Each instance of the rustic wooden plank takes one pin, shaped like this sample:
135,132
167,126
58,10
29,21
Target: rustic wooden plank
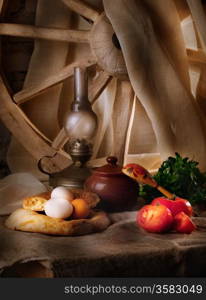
199,18
129,131
34,32
196,56
201,91
20,111
21,130
182,8
60,140
36,89
121,117
98,85
82,8
1,5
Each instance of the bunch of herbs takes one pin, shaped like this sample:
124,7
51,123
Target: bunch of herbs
180,176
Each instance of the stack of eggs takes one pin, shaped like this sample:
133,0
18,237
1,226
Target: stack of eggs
63,205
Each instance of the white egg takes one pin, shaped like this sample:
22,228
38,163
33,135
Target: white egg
58,208
62,192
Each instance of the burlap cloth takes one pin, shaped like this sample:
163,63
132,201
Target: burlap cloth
121,250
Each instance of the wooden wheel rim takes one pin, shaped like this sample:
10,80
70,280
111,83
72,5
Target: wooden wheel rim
37,144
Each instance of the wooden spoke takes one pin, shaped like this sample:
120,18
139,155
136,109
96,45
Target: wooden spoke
29,31
33,143
36,89
32,125
1,5
82,9
182,9
196,56
60,140
198,16
98,85
121,116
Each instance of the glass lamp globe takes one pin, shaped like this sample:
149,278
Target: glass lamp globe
81,125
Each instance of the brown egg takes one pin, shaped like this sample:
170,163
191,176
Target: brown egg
81,209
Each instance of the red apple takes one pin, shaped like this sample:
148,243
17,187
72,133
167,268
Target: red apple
155,218
186,205
183,223
163,201
175,206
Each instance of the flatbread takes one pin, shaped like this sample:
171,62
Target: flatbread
37,202
31,221
29,218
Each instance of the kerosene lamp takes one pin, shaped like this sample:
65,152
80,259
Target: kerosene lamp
80,125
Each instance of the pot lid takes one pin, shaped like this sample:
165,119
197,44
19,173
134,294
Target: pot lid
112,168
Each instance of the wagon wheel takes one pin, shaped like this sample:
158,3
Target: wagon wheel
105,52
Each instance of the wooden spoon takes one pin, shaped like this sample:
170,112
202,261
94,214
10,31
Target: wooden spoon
141,175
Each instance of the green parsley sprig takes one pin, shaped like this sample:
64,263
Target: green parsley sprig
180,176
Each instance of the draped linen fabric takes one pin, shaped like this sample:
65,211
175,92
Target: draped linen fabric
162,115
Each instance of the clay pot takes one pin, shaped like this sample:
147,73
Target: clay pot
117,191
